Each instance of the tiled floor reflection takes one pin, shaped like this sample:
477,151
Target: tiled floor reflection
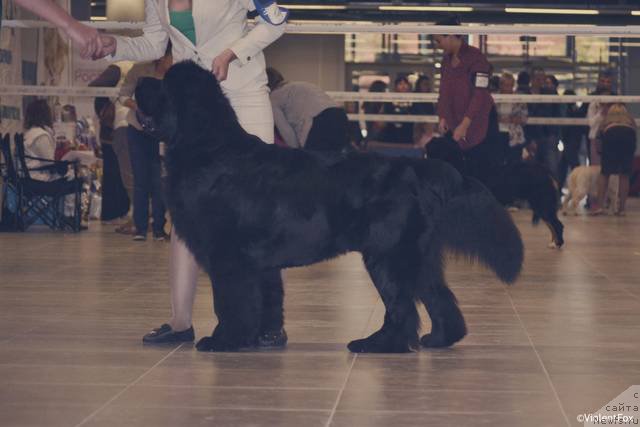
563,341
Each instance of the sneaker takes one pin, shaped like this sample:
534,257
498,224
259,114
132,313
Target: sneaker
271,12
165,335
127,228
273,339
139,237
160,236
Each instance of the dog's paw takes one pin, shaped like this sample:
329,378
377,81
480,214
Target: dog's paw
437,341
216,344
374,344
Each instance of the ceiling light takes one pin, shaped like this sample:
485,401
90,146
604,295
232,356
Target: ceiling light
312,7
551,11
427,8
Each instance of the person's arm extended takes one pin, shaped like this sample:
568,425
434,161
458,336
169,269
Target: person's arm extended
128,88
87,38
148,47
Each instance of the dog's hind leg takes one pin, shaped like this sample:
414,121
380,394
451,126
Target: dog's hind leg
237,301
394,278
557,230
272,333
447,323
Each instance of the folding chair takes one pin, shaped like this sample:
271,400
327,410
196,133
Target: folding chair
10,191
44,200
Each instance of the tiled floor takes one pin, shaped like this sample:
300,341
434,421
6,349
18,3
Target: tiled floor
563,341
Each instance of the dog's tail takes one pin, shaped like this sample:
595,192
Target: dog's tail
474,224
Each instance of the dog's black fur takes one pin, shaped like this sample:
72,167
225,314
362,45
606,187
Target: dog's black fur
510,182
247,210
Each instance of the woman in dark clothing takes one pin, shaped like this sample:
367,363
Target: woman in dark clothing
399,132
618,147
115,201
572,137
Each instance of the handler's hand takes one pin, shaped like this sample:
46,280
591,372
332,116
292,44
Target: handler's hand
442,127
86,38
460,133
220,65
109,45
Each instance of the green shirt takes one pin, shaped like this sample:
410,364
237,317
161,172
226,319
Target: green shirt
183,21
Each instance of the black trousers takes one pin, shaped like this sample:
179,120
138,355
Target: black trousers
490,153
145,162
115,201
329,132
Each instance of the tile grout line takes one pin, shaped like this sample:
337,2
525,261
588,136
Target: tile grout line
346,379
544,369
625,290
339,397
121,392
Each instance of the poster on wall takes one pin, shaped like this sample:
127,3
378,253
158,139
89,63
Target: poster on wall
10,74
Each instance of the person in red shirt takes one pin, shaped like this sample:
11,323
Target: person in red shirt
465,106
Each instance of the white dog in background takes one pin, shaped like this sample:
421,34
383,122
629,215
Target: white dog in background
582,182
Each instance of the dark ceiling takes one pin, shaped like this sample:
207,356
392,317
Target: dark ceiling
613,12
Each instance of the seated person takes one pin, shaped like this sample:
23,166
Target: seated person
423,132
39,140
399,132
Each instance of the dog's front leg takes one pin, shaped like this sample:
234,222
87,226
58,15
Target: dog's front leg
237,300
272,333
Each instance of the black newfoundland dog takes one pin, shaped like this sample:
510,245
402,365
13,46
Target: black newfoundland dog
247,209
510,182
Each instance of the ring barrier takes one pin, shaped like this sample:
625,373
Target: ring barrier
347,27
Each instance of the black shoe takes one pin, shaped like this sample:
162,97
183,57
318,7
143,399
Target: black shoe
160,236
274,339
164,334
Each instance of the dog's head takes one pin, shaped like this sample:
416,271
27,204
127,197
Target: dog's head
446,149
188,101
155,113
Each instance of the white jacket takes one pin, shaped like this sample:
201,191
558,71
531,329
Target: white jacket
219,25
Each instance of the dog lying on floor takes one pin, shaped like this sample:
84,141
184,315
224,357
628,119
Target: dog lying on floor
512,182
582,182
247,209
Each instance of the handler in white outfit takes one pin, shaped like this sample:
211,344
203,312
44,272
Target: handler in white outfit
218,39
